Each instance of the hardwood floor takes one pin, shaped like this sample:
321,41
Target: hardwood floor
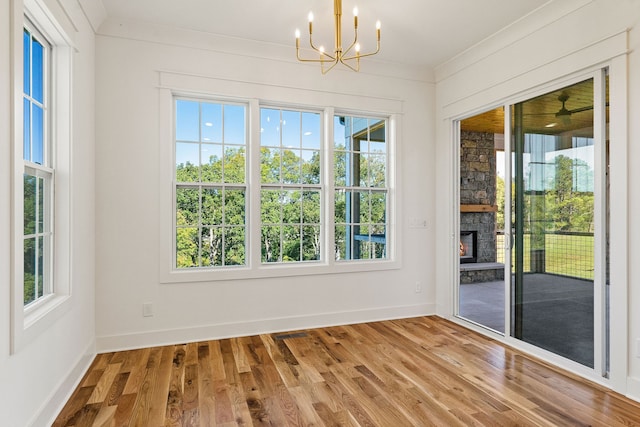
413,372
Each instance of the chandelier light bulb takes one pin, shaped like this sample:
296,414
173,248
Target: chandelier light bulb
310,16
355,11
321,49
357,47
378,25
297,33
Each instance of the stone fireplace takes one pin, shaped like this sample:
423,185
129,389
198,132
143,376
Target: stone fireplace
478,207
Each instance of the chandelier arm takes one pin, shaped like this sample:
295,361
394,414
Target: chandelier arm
355,42
325,71
356,68
318,50
362,55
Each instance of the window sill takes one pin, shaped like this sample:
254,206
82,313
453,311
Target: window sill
275,270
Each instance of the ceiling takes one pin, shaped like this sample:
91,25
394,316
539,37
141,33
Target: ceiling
539,114
414,32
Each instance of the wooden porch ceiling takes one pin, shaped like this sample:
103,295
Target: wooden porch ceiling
539,114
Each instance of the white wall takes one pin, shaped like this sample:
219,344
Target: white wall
132,60
38,378
554,42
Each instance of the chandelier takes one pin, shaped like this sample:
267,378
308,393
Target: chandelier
349,57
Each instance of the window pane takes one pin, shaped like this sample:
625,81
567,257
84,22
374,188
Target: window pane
211,255
26,74
234,244
310,167
339,132
187,120
270,207
41,203
340,168
291,121
29,270
311,130
30,204
187,162
211,168
211,128
186,247
269,127
361,172
37,135
37,71
26,122
341,242
311,207
40,279
362,205
234,165
378,207
270,165
310,243
340,207
212,206
291,207
270,237
291,172
377,170
234,125
291,243
187,202
234,211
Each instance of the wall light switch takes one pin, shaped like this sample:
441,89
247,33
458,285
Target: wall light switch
147,309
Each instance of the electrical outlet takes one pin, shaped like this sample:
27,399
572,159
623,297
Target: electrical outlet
147,309
418,287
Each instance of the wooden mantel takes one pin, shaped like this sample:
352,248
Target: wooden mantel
478,208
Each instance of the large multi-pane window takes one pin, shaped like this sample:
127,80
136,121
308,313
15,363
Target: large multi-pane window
360,177
264,201
290,193
38,174
211,189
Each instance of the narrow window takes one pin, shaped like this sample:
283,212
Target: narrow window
361,188
210,184
38,174
290,195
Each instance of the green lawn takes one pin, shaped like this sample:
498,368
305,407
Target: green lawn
567,255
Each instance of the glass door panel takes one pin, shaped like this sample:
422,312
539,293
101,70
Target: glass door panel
481,290
553,170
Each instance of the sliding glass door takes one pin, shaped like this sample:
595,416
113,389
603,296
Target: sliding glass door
554,167
554,230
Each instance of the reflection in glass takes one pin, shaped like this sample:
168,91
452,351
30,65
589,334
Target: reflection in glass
554,222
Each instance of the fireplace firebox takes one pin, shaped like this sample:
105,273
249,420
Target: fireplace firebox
468,247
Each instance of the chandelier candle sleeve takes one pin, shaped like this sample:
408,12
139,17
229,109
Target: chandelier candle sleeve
328,61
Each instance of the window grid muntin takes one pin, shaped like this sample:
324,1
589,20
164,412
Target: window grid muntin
201,185
351,153
39,167
283,185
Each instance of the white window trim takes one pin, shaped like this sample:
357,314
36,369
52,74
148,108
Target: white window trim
29,322
188,85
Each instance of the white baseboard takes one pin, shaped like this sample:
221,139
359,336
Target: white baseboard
52,407
633,388
228,330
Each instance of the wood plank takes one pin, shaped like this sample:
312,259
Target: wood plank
478,208
423,371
